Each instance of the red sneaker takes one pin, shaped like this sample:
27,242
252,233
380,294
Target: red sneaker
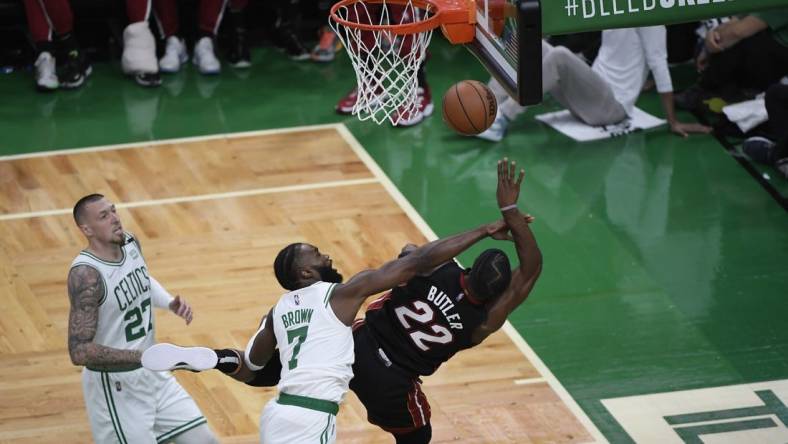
346,104
424,96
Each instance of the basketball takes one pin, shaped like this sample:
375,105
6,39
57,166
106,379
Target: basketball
469,107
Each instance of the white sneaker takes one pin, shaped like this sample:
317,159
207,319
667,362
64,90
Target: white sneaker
139,50
205,58
139,55
497,130
174,55
164,356
46,75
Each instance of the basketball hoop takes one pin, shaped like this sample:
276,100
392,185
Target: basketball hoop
387,41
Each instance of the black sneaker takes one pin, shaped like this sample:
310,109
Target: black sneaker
148,79
239,55
760,149
291,44
74,71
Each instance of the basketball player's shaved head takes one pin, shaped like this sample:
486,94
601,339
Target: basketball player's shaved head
79,207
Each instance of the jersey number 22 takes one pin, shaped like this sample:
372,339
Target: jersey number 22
420,312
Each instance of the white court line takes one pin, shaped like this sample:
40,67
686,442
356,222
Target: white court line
528,381
201,197
518,340
155,143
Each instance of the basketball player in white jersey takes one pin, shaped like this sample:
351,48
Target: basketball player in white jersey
311,326
110,324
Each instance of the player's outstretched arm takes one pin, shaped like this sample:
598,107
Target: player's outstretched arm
161,298
261,345
347,298
85,290
527,272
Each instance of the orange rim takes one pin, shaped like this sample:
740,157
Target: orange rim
403,29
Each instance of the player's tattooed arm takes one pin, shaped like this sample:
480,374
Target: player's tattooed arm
85,289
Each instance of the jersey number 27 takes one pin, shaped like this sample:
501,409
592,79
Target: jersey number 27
420,312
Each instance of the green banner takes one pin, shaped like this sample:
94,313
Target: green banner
569,16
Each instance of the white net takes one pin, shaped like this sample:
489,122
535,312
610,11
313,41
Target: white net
386,63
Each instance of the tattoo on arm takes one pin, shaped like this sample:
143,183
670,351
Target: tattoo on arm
85,289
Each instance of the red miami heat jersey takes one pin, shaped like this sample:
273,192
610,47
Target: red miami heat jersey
422,324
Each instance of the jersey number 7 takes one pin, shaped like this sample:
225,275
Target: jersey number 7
298,335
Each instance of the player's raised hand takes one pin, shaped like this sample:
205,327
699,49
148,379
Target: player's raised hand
182,309
508,183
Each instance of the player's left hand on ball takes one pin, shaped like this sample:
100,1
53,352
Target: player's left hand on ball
182,308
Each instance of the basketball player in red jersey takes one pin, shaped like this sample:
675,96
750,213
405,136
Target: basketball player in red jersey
412,330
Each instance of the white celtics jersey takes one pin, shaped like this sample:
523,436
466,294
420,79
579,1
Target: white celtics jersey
125,318
315,347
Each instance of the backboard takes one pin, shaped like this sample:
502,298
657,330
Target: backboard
508,43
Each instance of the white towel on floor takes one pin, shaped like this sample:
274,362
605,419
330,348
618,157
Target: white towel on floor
747,115
564,122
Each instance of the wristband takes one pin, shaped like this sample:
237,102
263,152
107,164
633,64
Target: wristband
508,207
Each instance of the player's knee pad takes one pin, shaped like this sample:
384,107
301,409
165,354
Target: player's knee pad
139,50
422,435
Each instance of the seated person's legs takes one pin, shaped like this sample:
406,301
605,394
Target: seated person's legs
326,47
139,46
287,28
175,49
239,55
579,88
204,56
46,18
573,84
41,33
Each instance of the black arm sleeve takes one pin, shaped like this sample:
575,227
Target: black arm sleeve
269,375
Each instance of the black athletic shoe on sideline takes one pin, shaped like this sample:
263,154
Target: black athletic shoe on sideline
239,55
291,44
74,71
148,79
